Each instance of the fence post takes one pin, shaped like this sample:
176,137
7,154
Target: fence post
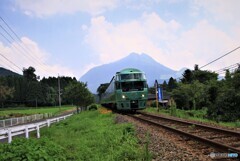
48,123
38,131
9,135
26,132
4,123
11,121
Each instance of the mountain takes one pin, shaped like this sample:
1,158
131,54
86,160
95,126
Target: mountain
104,73
6,72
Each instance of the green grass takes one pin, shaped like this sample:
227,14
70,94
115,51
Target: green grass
196,115
5,113
88,136
94,136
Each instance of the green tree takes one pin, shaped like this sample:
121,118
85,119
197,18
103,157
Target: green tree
101,89
187,76
5,92
204,76
79,94
181,96
29,73
172,84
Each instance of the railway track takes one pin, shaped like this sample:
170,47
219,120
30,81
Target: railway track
225,141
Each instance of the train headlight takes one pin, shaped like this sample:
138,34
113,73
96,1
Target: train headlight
143,95
123,97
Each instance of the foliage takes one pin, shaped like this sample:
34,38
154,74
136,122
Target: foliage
5,92
95,136
187,76
93,107
101,89
29,91
172,84
31,149
78,94
173,108
33,110
29,74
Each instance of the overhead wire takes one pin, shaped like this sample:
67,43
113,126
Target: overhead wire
10,62
220,57
22,46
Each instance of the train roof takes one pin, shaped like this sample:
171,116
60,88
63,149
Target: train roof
129,70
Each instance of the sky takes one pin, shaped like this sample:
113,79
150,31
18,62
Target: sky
69,37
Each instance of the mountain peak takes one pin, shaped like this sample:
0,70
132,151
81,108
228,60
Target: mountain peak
143,62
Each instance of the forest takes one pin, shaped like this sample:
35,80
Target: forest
202,89
28,90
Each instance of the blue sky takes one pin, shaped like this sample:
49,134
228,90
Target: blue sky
69,37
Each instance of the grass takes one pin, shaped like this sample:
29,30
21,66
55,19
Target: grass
5,113
196,115
94,136
88,136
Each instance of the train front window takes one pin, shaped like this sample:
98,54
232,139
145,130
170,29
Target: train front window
133,86
133,76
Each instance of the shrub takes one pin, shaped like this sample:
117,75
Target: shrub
92,107
31,149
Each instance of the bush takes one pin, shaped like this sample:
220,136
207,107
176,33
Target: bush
93,107
31,149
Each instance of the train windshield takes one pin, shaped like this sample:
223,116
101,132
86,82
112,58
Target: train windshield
132,76
133,86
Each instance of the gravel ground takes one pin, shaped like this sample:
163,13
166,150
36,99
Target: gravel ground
165,146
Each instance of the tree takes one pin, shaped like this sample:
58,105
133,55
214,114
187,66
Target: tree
172,84
203,76
164,85
79,94
29,74
187,76
196,67
189,96
5,92
101,89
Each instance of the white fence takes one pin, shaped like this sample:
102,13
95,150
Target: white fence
25,129
23,120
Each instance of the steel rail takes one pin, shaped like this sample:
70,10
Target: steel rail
214,144
225,131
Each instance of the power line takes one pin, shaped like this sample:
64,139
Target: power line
10,61
230,68
226,68
8,66
23,47
221,57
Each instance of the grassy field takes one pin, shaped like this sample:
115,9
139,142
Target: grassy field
196,115
87,136
18,112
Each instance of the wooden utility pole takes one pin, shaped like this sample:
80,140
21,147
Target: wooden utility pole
59,92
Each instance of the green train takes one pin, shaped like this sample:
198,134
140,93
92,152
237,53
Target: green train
127,91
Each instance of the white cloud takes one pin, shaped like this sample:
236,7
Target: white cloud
113,42
45,8
165,41
226,10
27,53
202,44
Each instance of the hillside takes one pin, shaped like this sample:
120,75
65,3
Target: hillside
103,74
6,72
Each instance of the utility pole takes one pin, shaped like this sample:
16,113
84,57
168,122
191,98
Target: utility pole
156,92
59,91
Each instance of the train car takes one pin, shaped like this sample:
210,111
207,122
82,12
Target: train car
127,91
